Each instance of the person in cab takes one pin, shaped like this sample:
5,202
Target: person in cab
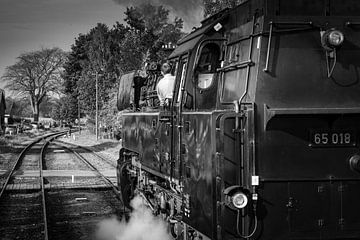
165,86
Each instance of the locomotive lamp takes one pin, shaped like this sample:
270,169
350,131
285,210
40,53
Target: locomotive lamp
331,39
235,198
335,38
239,200
354,162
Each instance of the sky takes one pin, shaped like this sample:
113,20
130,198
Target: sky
29,25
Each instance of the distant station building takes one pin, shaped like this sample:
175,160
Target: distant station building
2,110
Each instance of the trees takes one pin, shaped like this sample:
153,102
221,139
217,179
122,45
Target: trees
101,61
94,52
213,6
36,74
18,107
74,69
152,28
113,51
61,110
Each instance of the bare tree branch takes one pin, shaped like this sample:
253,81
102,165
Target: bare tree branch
37,74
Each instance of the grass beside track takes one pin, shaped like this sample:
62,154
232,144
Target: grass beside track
107,148
11,146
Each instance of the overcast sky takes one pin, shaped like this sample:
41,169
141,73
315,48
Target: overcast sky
28,25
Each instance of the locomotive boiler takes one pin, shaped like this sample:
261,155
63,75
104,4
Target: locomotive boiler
261,137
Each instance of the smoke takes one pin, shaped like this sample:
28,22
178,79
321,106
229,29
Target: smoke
142,225
191,11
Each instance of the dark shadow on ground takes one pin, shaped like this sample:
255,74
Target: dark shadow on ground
95,148
103,146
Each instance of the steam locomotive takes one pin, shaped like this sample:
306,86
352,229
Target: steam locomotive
261,138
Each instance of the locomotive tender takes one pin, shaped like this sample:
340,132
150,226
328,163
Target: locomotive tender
261,138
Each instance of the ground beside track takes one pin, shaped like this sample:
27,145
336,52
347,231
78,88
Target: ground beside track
21,217
69,218
76,213
11,146
107,148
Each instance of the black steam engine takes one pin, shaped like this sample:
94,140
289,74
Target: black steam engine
261,139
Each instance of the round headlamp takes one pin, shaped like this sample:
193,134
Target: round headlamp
332,39
239,200
236,197
335,38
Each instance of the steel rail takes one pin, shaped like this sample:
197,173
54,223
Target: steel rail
42,179
47,140
41,159
90,150
20,158
92,167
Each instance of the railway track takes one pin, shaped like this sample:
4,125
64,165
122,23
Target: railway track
46,213
91,165
80,149
24,213
86,207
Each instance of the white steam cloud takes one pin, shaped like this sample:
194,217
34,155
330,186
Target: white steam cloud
191,11
142,225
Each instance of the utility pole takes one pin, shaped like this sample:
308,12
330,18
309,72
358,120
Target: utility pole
97,107
79,114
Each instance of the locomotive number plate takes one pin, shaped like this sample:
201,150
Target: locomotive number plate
332,138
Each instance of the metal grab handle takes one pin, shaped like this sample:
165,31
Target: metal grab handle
266,69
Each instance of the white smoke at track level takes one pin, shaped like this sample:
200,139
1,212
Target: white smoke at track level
142,225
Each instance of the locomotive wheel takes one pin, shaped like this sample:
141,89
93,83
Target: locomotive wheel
173,230
176,230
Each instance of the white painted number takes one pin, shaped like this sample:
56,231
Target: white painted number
321,138
347,138
324,138
317,138
334,138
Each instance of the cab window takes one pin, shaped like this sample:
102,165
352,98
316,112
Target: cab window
206,75
208,63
